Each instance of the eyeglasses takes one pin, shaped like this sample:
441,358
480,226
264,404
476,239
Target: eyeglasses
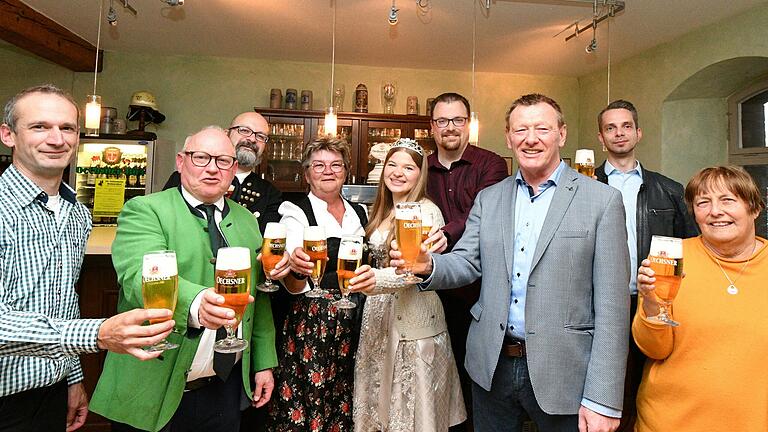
202,159
246,132
457,121
319,167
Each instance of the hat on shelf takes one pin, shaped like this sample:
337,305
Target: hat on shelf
144,101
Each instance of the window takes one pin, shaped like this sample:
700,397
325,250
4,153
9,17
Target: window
748,144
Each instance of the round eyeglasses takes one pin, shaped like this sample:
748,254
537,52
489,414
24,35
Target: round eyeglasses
319,167
202,159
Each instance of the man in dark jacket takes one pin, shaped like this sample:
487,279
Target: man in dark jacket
249,133
654,206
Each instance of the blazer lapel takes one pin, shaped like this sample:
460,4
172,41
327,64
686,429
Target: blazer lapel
508,196
564,193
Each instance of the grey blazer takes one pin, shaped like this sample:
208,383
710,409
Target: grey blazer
577,302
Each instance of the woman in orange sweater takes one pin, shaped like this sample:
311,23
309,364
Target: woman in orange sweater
709,373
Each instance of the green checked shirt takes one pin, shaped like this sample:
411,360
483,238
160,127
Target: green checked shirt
41,254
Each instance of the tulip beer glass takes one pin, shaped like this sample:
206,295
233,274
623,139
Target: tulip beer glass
408,219
233,282
666,258
585,162
160,288
272,251
350,255
316,247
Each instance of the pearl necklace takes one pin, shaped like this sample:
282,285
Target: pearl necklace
732,289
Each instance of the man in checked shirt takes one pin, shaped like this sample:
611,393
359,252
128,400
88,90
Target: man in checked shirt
43,233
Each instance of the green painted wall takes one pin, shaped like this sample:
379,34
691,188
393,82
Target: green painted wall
196,91
680,136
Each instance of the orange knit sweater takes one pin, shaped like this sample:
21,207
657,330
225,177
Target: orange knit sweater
711,372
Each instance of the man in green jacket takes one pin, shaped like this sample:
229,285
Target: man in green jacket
188,388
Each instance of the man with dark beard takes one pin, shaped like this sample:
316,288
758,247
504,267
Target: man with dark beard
249,134
457,173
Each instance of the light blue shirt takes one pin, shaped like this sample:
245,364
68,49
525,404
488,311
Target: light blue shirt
530,211
628,184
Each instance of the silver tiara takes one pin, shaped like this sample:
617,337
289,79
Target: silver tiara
409,144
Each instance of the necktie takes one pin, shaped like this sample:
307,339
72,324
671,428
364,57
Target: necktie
222,363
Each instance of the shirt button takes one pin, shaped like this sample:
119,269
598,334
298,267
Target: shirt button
522,249
515,301
399,317
450,190
518,275
501,326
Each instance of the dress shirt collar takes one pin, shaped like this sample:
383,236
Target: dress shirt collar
27,191
551,181
610,169
194,202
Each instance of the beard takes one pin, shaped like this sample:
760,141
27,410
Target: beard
248,156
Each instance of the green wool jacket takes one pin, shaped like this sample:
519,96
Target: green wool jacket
146,394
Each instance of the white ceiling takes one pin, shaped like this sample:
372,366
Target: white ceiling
514,36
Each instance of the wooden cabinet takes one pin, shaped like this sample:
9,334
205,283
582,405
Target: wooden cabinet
290,130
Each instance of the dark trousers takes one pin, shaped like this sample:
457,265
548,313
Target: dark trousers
635,364
456,304
511,401
213,408
38,410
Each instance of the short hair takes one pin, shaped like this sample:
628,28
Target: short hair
618,104
10,116
535,99
329,143
732,178
448,98
189,137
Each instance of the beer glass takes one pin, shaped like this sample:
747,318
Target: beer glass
233,282
666,258
316,247
585,162
350,255
427,220
160,288
408,219
272,251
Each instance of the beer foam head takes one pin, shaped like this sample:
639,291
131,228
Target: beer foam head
233,258
159,264
351,247
314,233
275,230
585,156
670,247
427,219
408,211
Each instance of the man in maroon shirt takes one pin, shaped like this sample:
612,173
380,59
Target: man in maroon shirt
457,172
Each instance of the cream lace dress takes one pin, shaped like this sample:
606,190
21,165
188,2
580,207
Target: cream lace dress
404,382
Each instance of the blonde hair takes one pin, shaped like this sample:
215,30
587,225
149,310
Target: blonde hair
384,206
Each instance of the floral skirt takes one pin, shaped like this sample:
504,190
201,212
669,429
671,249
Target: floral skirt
314,378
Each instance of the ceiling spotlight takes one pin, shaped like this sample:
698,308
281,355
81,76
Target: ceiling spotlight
174,2
112,15
393,14
592,47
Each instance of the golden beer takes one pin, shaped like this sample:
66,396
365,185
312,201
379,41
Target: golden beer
585,162
349,257
160,282
408,233
234,285
427,220
160,288
586,169
345,270
666,257
272,251
318,253
232,281
669,276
